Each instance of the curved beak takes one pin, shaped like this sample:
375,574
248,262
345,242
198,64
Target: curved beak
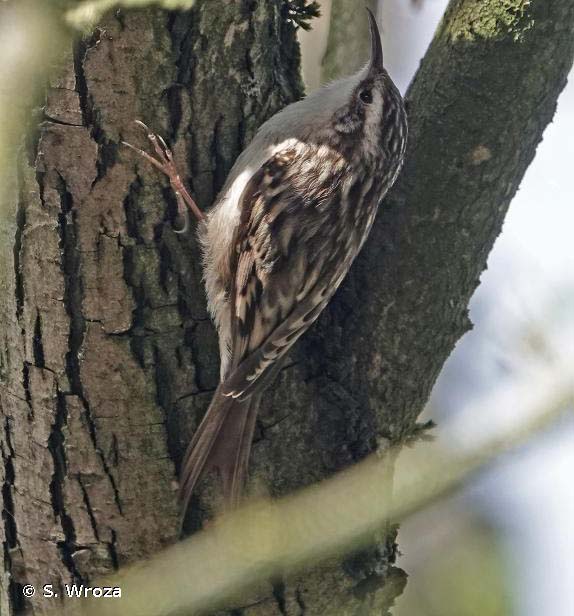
376,63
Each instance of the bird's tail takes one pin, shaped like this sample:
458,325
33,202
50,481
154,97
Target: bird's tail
223,442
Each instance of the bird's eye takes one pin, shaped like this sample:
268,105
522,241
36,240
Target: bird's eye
366,96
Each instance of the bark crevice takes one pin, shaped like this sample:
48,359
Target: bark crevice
12,551
88,504
107,150
18,278
67,546
279,596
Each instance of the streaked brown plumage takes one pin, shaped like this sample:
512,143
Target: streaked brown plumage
294,213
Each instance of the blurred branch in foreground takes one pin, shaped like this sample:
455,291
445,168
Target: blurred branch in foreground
87,13
340,515
31,38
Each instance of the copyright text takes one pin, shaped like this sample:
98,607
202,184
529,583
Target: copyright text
74,590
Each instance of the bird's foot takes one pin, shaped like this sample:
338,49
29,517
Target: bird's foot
166,164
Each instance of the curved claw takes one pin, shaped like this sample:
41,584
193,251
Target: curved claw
144,126
164,145
183,214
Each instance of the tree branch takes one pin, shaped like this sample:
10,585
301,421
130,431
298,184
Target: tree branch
482,98
349,41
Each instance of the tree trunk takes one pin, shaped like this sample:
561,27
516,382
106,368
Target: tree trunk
108,358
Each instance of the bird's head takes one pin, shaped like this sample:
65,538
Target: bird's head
362,114
373,113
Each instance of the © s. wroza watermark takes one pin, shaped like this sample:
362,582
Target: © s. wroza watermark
73,590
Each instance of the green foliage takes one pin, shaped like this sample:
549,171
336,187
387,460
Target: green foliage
301,12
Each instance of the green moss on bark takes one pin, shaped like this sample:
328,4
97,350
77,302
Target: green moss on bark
488,20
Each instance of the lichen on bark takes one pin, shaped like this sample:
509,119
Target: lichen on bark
489,20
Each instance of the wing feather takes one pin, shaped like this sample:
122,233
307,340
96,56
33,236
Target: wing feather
280,285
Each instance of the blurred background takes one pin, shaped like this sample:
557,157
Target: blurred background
505,545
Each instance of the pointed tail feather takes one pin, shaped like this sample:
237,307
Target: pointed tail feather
198,450
223,442
236,481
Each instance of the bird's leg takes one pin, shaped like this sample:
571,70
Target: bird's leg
166,164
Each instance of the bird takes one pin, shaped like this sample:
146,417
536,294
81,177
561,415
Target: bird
293,214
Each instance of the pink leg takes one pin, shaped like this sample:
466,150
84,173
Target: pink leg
165,163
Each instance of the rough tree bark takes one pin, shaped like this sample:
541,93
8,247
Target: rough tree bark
108,358
107,355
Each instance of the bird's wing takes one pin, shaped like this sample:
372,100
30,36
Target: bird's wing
282,280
